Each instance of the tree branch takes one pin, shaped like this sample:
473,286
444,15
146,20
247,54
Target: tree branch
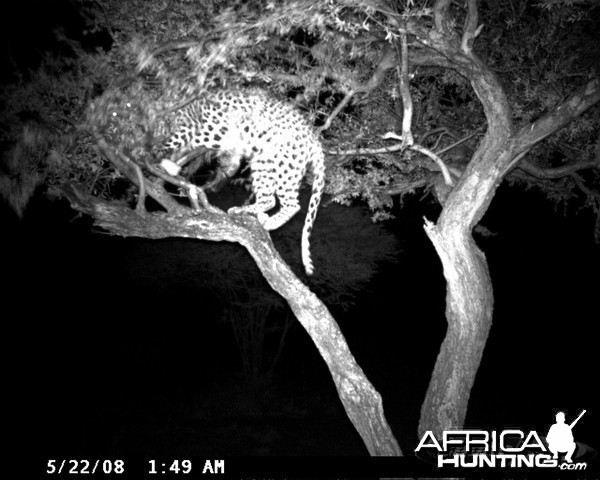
154,190
348,83
567,3
573,107
471,30
367,151
439,162
557,172
387,62
590,193
402,187
340,106
407,105
361,401
441,16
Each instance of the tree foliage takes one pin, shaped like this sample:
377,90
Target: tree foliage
319,56
545,54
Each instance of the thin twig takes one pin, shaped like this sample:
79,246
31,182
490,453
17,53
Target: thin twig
336,111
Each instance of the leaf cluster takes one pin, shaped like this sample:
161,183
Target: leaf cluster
41,116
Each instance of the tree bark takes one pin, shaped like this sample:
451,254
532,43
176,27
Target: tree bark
361,401
469,296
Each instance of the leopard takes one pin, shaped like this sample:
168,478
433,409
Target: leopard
280,145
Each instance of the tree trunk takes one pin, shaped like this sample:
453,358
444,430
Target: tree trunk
469,296
469,307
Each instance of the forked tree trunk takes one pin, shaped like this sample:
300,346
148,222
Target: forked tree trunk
469,297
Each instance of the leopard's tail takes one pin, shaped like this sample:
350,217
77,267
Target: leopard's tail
318,171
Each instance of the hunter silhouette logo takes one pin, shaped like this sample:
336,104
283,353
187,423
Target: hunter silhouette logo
560,437
508,448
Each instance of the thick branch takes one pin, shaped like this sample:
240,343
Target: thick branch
469,298
578,103
362,402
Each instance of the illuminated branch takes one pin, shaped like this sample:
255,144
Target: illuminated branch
440,16
458,142
573,107
407,137
141,183
471,30
386,63
336,110
369,151
392,189
127,168
346,81
195,193
441,130
443,168
147,187
418,148
557,172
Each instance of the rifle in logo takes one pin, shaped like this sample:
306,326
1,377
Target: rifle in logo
577,419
